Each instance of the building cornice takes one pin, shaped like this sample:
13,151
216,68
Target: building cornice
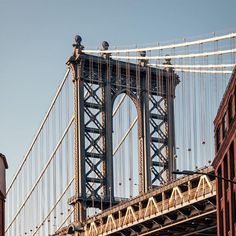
224,101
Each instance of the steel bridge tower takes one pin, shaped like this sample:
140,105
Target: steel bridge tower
97,81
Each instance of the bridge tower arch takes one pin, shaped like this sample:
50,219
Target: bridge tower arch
125,147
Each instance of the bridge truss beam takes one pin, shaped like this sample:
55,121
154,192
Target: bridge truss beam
186,206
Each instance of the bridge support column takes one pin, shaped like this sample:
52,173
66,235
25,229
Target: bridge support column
171,84
79,146
107,122
145,130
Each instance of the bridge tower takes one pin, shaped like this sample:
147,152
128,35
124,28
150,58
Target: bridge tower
97,81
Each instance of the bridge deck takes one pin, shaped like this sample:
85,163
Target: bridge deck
186,206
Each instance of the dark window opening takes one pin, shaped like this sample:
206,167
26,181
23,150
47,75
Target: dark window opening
226,175
234,205
218,138
224,125
230,110
232,162
219,173
227,213
221,226
235,101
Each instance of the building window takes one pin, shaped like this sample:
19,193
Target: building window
226,175
235,101
224,125
218,138
231,159
219,173
227,213
221,223
230,110
234,205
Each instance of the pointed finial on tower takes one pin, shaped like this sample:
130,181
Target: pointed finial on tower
142,62
168,63
78,47
105,46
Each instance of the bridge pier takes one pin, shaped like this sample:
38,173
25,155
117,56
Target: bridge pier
97,81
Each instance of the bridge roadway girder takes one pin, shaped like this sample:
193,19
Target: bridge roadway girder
186,206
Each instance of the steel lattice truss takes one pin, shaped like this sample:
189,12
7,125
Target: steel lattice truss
159,138
94,130
186,206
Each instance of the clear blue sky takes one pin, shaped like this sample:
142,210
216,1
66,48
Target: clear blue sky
36,38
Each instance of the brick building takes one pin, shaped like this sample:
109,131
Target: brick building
225,160
3,167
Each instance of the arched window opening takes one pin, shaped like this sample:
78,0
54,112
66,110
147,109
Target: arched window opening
125,147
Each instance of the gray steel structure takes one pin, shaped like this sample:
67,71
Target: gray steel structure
97,82
186,206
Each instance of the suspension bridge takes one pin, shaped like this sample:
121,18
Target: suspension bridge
120,123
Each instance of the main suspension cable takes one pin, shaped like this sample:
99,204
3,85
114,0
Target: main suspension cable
184,44
192,66
203,54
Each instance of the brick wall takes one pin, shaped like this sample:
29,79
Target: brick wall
225,160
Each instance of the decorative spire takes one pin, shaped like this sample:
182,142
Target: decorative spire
168,64
142,62
105,46
78,47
